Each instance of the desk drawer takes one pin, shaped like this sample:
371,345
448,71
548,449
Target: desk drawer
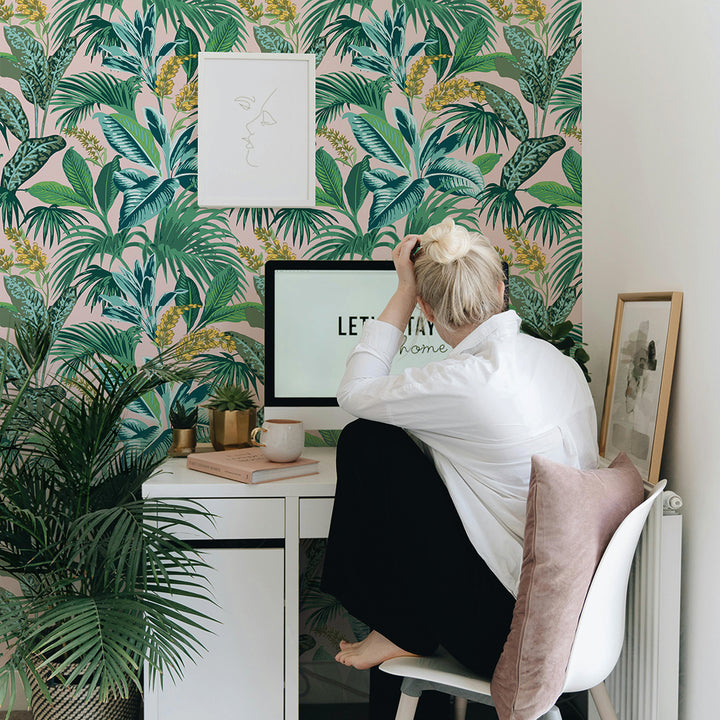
315,517
240,519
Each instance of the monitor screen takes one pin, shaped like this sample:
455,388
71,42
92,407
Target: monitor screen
315,311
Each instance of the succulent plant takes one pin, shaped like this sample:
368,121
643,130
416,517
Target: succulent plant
231,397
181,418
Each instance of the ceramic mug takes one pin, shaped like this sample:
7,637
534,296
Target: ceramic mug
283,440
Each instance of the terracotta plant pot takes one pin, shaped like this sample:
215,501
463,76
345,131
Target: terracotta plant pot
231,428
183,442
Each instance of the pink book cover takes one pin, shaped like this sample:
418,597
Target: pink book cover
248,465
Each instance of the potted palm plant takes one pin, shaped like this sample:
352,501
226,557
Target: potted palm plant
233,415
103,578
184,431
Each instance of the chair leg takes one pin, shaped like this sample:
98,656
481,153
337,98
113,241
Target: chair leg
602,701
460,708
406,707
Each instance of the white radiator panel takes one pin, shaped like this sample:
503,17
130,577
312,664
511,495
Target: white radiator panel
644,684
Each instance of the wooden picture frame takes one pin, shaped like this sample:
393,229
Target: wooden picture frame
256,130
637,395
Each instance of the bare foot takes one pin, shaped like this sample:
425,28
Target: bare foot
371,651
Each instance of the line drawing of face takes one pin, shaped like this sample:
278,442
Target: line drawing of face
255,139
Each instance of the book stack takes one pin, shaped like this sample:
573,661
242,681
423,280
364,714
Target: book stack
248,465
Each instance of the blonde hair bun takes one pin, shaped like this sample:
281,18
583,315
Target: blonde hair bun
446,242
459,275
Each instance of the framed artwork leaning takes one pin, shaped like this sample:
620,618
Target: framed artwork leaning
642,358
256,129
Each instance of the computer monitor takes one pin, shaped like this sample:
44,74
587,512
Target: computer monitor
315,311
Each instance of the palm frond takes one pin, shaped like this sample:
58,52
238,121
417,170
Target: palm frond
96,282
567,262
82,94
300,223
499,202
225,369
550,221
68,15
148,437
451,15
566,20
336,92
336,242
51,223
77,345
474,124
95,32
201,15
10,208
324,608
322,13
194,241
258,217
344,33
124,547
118,627
437,206
81,246
567,100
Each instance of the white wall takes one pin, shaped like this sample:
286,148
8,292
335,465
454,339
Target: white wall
651,83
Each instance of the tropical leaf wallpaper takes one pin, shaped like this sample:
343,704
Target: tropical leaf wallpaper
424,109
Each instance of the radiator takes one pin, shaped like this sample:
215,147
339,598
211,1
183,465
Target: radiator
644,683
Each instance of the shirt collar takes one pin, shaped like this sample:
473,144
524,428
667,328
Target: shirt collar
503,324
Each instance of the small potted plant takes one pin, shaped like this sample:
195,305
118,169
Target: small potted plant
184,433
232,414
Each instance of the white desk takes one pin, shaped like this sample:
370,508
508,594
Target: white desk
250,669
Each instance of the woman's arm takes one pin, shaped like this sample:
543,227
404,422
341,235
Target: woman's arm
367,390
401,305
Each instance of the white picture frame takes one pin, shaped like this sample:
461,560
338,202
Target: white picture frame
256,130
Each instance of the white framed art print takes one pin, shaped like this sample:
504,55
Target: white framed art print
256,129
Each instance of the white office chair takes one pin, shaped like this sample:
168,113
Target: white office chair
595,651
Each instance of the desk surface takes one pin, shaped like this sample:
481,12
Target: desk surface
175,480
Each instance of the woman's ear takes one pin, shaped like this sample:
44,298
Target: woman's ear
426,310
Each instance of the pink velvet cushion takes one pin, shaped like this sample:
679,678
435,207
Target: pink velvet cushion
571,516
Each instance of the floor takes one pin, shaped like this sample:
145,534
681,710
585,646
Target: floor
349,711
571,708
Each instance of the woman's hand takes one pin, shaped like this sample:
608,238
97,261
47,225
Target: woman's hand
404,266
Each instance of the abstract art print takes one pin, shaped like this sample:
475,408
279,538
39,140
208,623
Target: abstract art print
642,358
256,130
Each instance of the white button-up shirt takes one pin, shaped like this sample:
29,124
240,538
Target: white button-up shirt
500,397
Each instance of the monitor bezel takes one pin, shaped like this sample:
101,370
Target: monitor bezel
271,266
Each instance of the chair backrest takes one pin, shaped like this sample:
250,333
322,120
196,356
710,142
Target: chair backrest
601,627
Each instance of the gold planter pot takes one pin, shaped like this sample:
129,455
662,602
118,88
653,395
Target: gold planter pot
231,428
184,441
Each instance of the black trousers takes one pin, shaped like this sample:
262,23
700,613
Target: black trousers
398,558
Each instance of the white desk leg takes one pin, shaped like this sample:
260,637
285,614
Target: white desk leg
292,607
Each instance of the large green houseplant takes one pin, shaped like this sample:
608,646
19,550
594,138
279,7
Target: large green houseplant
103,578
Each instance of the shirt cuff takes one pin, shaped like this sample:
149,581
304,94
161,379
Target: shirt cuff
383,337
